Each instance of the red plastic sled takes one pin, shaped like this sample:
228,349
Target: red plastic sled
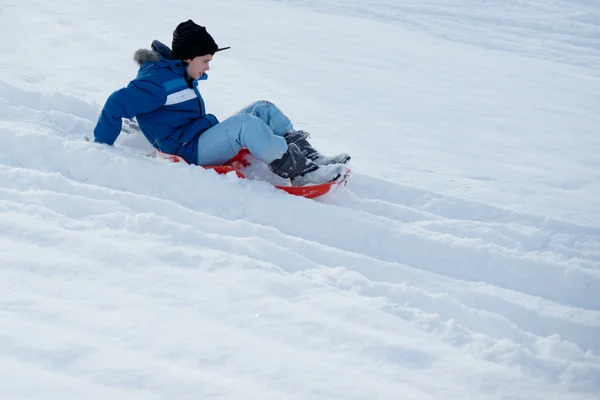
237,163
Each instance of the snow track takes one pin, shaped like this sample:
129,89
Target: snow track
400,284
462,260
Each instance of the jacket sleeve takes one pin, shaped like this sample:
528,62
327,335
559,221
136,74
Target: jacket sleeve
140,96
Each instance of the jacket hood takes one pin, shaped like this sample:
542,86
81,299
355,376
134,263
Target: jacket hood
159,51
145,55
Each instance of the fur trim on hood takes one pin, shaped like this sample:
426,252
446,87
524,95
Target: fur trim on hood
144,55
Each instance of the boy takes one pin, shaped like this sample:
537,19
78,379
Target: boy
166,101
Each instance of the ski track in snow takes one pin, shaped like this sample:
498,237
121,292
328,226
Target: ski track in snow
509,289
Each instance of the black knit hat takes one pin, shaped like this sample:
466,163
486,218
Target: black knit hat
191,40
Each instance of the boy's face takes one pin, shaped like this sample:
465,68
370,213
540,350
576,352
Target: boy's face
198,65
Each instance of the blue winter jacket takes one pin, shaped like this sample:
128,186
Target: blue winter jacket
166,103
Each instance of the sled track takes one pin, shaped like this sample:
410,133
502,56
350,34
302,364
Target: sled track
513,289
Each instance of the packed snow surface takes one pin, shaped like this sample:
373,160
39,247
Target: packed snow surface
461,261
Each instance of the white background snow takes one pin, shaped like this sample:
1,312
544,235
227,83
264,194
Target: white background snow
462,260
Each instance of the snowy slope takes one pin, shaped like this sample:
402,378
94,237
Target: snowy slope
461,261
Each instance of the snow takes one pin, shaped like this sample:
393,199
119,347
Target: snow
462,260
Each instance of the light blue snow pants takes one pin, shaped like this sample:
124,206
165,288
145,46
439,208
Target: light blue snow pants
259,127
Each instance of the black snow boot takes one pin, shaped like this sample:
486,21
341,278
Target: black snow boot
300,139
302,171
